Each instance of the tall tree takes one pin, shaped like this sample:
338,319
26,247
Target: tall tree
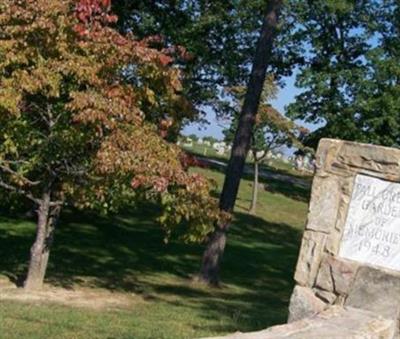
73,129
216,245
335,36
350,72
379,100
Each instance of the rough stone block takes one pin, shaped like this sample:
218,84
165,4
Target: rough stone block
309,259
324,277
325,296
336,275
334,323
324,204
343,273
326,154
340,300
303,303
333,241
377,291
383,161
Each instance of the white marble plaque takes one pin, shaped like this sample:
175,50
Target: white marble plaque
372,230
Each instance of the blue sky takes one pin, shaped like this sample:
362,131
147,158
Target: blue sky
285,96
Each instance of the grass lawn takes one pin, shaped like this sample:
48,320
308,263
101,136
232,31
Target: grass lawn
126,254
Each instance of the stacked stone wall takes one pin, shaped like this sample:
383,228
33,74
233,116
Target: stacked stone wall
322,277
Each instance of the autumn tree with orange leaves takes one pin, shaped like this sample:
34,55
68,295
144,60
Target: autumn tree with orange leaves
84,113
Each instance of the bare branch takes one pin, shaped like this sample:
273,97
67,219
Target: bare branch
265,152
19,191
26,181
15,161
46,114
56,203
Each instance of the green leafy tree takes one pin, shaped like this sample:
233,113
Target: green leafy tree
335,39
350,71
74,130
378,117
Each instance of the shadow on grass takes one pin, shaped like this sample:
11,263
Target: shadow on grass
126,253
279,186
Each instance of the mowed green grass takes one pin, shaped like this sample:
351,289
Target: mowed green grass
125,253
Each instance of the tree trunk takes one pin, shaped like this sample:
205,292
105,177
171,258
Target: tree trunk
241,144
253,205
209,272
40,250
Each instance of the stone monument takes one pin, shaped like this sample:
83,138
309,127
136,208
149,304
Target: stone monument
350,252
348,270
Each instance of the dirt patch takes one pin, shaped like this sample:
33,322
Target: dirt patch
76,297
